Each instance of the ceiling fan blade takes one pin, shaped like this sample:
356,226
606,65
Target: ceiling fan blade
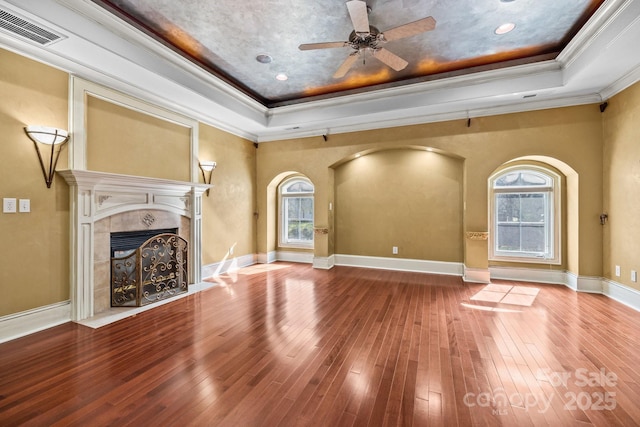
391,59
410,29
359,16
346,65
326,45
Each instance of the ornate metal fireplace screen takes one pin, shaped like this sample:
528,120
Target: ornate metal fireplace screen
155,271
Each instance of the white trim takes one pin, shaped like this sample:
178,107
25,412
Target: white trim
621,84
291,256
401,264
556,277
584,283
97,195
267,258
621,293
30,321
553,207
324,263
228,264
81,89
419,116
591,32
588,284
476,275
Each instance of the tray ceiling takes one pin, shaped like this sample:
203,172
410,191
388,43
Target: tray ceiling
252,45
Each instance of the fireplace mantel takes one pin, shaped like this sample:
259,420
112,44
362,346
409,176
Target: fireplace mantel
97,195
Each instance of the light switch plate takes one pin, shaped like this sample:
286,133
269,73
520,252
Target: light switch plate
9,205
24,205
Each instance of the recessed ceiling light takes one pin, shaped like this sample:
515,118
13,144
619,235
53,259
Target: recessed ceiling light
263,58
429,149
358,155
282,77
505,28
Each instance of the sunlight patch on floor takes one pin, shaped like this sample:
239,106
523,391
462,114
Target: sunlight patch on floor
261,268
507,294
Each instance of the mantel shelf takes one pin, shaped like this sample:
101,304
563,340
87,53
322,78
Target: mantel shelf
92,179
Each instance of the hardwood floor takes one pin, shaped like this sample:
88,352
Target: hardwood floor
285,344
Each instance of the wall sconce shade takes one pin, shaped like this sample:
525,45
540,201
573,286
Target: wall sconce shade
52,137
207,168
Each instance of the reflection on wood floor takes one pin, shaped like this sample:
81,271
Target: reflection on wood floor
286,344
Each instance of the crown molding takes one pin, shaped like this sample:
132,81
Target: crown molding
603,20
418,118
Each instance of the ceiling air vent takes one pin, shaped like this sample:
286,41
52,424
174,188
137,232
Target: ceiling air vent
27,30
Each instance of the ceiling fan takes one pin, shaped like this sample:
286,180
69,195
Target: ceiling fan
366,37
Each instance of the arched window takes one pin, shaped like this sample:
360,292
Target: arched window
296,212
525,215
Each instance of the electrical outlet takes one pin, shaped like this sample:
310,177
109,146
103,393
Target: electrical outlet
9,205
394,250
634,276
24,205
617,271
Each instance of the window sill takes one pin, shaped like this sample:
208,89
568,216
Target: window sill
526,260
296,246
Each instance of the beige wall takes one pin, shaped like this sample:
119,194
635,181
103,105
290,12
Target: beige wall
622,184
34,255
121,140
411,199
228,212
570,138
35,259
598,153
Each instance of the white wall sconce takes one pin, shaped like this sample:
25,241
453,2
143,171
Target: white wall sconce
207,169
52,137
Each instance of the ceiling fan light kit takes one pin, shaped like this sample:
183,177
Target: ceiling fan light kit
366,37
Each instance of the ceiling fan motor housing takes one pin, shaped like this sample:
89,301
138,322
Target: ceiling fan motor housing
359,41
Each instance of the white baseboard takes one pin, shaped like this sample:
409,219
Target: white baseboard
596,285
291,256
621,293
584,283
267,258
557,277
401,264
476,275
324,263
218,268
28,322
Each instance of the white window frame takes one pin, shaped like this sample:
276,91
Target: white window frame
283,238
553,249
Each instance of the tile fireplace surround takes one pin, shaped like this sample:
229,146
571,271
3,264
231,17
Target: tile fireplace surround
103,203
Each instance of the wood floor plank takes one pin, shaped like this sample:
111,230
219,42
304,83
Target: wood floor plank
286,344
